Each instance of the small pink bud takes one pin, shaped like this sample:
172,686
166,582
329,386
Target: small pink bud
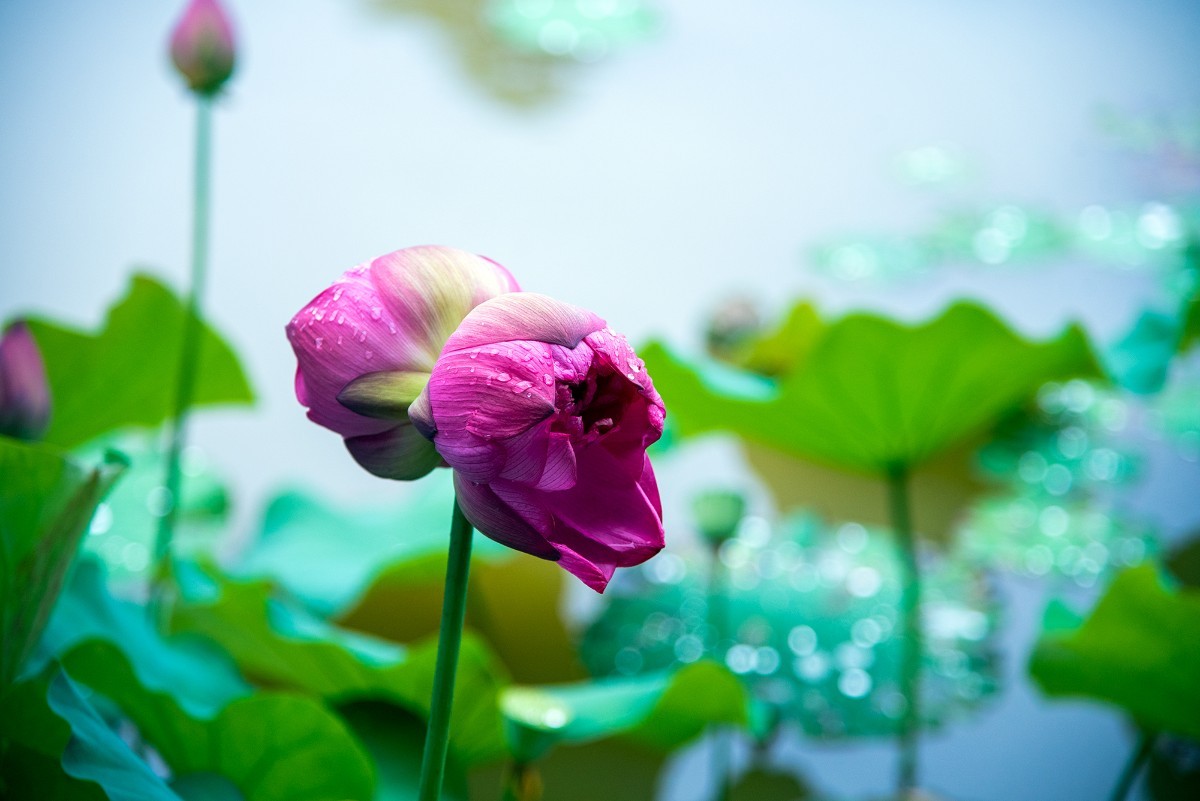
202,46
24,393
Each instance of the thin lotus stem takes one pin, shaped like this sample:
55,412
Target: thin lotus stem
721,746
189,351
1133,766
910,610
454,608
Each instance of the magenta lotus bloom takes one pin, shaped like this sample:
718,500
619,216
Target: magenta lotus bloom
366,346
202,46
545,415
24,392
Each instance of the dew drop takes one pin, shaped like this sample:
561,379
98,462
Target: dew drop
474,355
391,327
502,377
341,318
339,339
320,342
376,312
547,379
337,294
369,355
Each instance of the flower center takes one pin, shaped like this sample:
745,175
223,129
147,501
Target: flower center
591,408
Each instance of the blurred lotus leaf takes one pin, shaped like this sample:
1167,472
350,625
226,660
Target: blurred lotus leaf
280,644
864,393
509,73
123,530
125,375
661,710
762,783
58,748
46,501
808,621
1138,649
385,559
189,704
395,741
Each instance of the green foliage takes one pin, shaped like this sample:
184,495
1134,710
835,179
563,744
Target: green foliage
56,746
662,710
282,645
188,703
1139,649
329,574
125,374
46,501
864,392
395,741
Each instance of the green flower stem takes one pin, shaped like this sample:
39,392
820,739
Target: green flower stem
454,608
1134,765
717,611
189,351
910,610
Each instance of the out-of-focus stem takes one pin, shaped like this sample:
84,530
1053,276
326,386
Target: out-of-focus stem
721,761
1134,765
454,607
189,351
910,611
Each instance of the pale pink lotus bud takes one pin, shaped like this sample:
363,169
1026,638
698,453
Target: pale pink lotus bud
24,392
545,415
365,348
202,46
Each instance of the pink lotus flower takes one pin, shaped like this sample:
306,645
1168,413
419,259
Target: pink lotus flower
365,348
545,415
24,393
202,47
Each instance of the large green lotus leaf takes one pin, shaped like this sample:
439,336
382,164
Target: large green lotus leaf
187,700
359,566
125,374
89,623
56,746
46,501
328,557
282,645
662,710
872,392
1139,649
271,746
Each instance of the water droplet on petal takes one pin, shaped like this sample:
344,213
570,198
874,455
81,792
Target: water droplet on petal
369,355
320,341
502,377
474,355
376,312
547,379
337,294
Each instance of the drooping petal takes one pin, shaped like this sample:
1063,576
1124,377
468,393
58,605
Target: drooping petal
428,290
524,316
497,520
605,521
400,453
24,391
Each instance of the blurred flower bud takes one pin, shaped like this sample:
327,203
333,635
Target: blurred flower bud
734,323
202,46
718,513
24,393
